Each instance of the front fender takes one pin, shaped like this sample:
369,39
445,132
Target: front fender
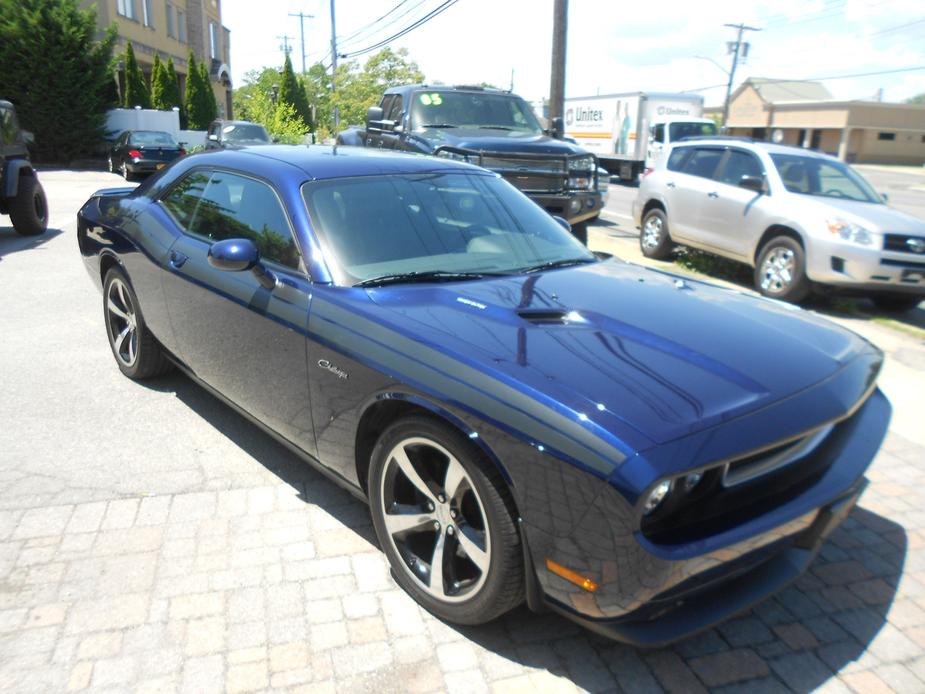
14,169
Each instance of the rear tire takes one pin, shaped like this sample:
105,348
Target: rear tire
654,238
138,355
897,303
453,506
29,209
781,270
126,174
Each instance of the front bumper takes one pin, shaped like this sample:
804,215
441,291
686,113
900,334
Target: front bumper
865,269
576,206
652,594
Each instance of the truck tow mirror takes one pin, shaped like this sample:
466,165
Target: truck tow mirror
373,118
556,128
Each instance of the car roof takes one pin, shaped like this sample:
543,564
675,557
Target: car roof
405,88
324,162
769,147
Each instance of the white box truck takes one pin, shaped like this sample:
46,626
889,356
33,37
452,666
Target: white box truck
628,131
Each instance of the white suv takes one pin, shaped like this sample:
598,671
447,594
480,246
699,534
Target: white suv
798,217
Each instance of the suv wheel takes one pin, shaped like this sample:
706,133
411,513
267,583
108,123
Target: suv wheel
654,240
29,209
781,270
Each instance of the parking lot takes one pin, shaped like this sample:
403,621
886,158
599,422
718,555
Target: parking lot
153,540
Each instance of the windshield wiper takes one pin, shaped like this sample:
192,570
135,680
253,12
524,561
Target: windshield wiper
553,264
439,125
495,127
425,276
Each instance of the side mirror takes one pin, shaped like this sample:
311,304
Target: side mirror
561,221
235,255
27,137
755,183
556,128
373,115
214,138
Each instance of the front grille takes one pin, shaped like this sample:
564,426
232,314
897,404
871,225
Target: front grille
535,184
904,243
523,165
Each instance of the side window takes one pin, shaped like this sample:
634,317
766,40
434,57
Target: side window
387,102
184,197
678,158
658,133
233,207
394,112
739,164
703,162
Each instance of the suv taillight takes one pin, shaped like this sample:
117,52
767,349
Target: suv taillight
134,154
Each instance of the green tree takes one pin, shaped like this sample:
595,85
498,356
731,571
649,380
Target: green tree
280,119
292,91
136,91
209,107
172,91
199,102
52,63
159,85
917,99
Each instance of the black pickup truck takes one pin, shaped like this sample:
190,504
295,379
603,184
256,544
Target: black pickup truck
493,129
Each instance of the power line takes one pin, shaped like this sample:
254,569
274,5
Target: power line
897,28
345,39
426,18
821,79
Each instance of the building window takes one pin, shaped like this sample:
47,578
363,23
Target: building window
181,25
886,136
126,8
213,40
171,29
147,13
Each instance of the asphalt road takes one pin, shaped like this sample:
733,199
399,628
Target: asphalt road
153,540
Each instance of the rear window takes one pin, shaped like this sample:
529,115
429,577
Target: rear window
703,162
678,157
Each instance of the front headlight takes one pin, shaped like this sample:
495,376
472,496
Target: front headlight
849,231
581,164
449,154
579,182
656,497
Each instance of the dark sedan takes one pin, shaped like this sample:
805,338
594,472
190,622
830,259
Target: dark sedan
527,420
143,152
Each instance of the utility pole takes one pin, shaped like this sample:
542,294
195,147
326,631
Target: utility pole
736,48
557,78
302,17
334,66
285,40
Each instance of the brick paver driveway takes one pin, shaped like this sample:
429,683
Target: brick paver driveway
153,540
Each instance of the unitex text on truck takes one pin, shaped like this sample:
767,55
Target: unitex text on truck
496,130
627,132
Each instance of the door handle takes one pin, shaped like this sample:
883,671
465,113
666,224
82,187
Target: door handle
177,259
670,184
713,194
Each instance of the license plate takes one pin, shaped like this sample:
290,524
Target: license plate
160,166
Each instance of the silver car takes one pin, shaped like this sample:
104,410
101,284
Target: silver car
798,217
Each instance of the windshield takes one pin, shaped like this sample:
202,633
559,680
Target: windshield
240,133
678,130
473,110
823,178
373,226
151,138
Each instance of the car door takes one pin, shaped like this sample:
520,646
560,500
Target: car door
732,217
246,341
688,186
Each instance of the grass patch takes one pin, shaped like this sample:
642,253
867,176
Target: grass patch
714,266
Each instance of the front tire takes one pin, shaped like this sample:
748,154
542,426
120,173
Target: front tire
781,270
897,303
654,239
444,519
137,353
29,209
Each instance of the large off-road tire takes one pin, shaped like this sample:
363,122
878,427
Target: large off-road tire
437,501
654,239
781,270
29,209
580,232
897,303
137,353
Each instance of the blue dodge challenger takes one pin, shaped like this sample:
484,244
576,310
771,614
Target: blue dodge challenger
528,420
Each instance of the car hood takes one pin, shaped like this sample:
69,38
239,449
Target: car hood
487,140
645,355
874,216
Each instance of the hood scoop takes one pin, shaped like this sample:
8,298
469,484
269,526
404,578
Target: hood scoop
554,316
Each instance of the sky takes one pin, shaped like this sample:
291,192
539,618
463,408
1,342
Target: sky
612,46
